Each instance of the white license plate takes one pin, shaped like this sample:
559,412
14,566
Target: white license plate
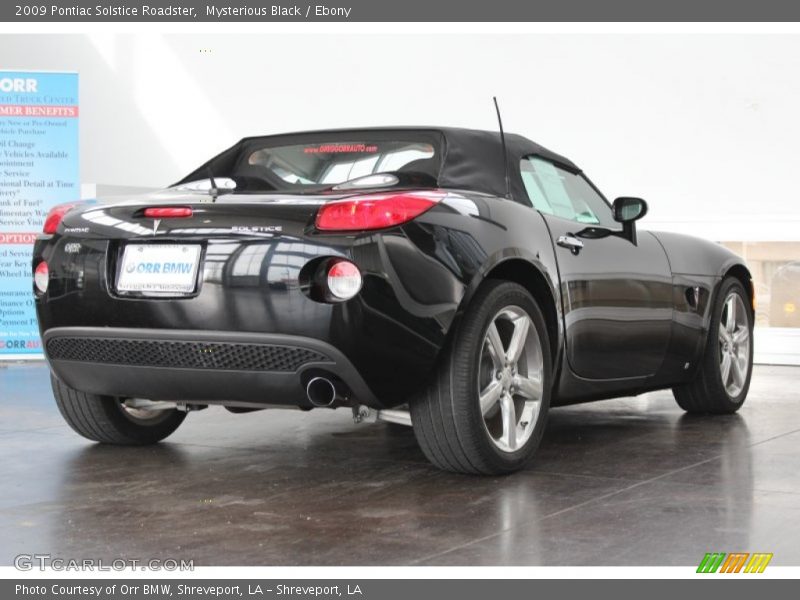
159,268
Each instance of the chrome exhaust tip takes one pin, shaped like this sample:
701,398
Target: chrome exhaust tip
321,391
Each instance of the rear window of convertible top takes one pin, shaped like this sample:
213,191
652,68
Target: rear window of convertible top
321,165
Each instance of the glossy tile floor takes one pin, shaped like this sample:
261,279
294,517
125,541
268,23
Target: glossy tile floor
623,482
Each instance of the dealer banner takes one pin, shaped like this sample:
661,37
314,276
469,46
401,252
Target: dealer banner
38,169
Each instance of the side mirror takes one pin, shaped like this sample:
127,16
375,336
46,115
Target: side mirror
627,211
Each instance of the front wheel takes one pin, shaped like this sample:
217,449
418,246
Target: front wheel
106,419
485,410
721,384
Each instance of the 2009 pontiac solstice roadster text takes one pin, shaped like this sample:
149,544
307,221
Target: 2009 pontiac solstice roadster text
104,10
176,10
459,281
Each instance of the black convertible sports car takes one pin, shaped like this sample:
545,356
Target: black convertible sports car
455,280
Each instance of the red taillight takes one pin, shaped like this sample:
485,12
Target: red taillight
41,277
55,216
375,211
167,212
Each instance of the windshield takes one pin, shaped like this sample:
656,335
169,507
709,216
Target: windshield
327,163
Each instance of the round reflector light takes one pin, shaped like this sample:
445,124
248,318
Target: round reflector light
41,277
344,280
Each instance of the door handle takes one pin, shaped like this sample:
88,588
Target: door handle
570,242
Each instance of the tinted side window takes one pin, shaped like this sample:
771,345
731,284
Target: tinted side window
557,192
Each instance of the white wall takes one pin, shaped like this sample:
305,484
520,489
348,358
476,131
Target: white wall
705,127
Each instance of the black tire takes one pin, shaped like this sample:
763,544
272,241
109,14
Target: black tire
447,417
103,418
706,393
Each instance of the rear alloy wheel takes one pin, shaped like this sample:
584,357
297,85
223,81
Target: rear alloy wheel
108,420
723,380
510,379
486,409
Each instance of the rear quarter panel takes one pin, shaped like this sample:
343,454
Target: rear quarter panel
495,233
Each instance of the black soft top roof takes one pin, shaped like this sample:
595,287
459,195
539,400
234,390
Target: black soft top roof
470,159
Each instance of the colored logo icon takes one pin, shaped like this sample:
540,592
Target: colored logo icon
735,562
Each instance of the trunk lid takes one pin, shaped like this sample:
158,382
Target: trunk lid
231,215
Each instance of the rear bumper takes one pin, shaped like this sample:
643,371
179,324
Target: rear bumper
198,366
252,283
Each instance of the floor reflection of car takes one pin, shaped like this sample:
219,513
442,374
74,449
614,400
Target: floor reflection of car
784,306
454,280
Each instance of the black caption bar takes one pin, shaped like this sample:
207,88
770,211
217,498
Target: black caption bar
386,589
401,11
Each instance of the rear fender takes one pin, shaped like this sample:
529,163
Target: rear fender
534,274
